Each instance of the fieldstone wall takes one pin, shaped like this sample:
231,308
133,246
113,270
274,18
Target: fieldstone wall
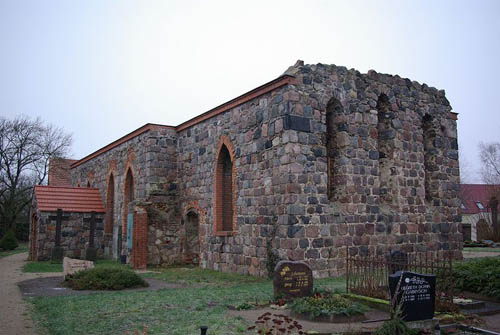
255,131
331,163
74,235
152,158
381,162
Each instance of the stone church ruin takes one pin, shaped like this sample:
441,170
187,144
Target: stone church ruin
320,162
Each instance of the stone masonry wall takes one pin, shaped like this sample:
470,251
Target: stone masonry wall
255,130
74,235
282,172
152,158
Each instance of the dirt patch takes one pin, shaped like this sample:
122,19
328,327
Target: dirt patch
14,315
320,327
53,287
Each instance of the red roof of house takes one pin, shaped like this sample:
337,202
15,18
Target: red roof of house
69,199
474,195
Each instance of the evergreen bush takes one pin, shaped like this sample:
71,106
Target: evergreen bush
9,241
479,276
106,279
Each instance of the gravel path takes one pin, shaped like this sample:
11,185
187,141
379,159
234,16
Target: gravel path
14,317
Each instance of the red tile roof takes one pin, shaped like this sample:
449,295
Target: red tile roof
69,199
470,194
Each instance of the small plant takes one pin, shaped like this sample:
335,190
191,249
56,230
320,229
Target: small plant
106,279
245,306
274,324
395,326
323,303
272,257
9,241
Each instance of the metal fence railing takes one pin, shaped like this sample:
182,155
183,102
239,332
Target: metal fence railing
369,275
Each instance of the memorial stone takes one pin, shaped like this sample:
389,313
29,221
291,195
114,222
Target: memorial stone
415,293
292,280
72,266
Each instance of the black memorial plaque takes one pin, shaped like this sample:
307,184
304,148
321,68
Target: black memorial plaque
292,280
416,294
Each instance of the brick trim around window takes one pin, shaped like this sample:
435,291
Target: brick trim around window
218,209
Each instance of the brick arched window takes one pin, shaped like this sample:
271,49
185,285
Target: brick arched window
333,110
225,189
110,205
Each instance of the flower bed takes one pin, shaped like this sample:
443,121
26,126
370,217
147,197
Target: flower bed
326,306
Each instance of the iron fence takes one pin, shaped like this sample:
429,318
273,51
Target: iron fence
369,276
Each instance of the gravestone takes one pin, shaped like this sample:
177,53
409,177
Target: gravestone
415,293
91,252
292,280
58,251
398,261
72,266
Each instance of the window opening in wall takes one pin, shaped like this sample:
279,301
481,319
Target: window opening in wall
333,108
462,206
430,153
110,205
130,187
479,205
386,136
224,201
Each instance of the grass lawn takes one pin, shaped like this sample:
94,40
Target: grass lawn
23,247
204,301
482,249
38,267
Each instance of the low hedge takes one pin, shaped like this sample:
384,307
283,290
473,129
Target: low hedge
106,279
480,275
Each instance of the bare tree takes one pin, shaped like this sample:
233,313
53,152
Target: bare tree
26,147
490,172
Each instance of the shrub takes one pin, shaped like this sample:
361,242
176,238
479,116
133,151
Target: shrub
106,279
395,326
9,241
326,303
478,276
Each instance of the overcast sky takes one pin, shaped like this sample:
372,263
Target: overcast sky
101,69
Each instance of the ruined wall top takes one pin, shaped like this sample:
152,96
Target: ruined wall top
306,74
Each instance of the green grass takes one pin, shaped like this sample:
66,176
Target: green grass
482,249
23,247
204,300
38,267
199,276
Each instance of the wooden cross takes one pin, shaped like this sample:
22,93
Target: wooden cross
59,218
93,220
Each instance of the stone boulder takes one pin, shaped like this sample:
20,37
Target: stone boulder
72,266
